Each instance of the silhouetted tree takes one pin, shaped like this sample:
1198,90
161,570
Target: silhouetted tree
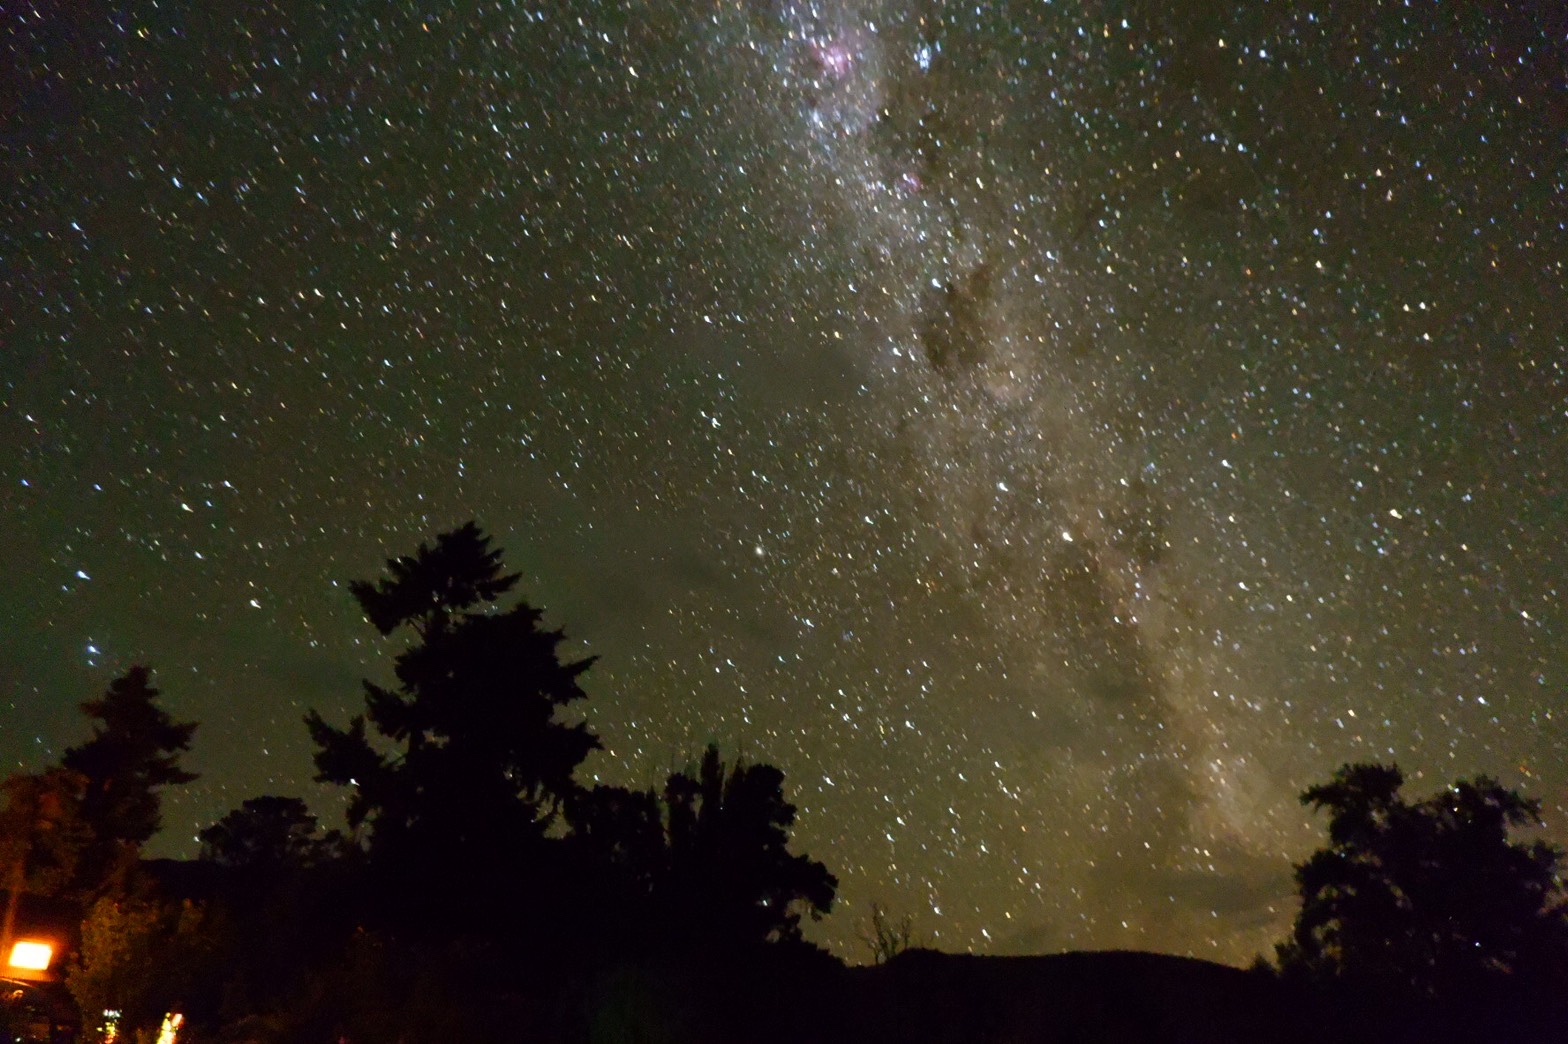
134,752
729,850
470,764
265,834
711,854
619,835
1430,896
887,938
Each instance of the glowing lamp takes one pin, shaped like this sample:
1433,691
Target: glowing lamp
31,955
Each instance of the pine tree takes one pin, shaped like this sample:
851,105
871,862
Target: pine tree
458,770
133,754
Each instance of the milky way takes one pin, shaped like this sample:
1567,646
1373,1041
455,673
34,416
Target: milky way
1055,434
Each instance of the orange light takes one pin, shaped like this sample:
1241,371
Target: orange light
31,955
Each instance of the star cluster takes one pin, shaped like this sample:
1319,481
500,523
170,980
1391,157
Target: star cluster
1053,433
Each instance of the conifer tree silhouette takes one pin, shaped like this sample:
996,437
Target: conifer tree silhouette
459,770
133,754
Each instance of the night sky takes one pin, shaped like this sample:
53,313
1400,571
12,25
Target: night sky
1054,433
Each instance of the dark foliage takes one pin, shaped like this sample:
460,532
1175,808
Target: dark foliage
469,763
267,834
1426,909
133,753
729,860
424,589
709,857
1428,895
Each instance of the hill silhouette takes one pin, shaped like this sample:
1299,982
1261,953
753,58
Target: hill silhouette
928,997
1130,997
